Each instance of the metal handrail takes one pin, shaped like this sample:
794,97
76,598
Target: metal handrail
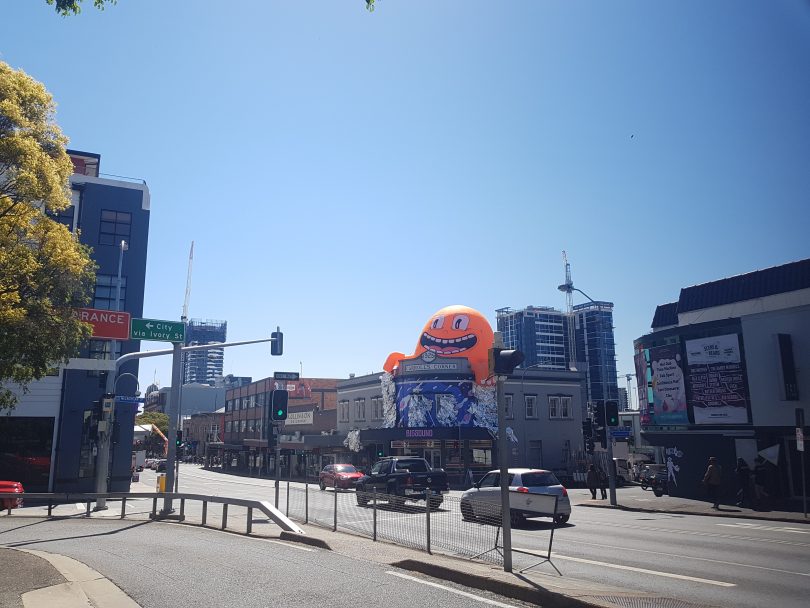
264,506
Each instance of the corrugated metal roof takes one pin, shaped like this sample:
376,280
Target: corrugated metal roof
757,284
665,315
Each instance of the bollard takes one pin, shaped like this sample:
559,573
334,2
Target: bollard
123,507
87,514
154,508
306,502
287,512
182,509
224,515
334,524
50,508
374,499
250,520
205,512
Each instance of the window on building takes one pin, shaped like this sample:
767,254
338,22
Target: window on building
376,408
101,349
105,290
115,227
531,406
553,407
565,407
343,410
229,426
360,408
508,412
243,426
559,407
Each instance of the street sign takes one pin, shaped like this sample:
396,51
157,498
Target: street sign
107,324
128,399
158,330
620,433
285,376
800,440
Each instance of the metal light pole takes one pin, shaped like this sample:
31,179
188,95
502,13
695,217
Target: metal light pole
503,465
568,287
103,456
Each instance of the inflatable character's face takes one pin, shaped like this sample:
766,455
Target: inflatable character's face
455,330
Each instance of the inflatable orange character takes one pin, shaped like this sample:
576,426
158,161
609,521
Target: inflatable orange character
454,331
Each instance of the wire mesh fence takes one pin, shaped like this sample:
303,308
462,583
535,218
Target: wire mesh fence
451,525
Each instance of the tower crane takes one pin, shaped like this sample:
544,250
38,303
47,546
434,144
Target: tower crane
569,311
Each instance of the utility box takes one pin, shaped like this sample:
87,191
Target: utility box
161,483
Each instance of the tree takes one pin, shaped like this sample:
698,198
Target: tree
73,7
44,271
159,419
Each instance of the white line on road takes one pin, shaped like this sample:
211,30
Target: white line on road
450,589
682,577
701,559
745,526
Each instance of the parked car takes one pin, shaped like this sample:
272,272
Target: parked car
398,479
9,491
483,500
648,472
343,476
160,466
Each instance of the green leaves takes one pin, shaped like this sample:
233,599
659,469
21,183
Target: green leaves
73,7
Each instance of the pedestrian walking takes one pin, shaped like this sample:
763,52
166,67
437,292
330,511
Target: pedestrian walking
592,481
743,472
712,480
603,480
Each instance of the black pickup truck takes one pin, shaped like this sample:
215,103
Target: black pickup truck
401,478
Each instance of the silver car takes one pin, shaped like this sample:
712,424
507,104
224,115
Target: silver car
483,500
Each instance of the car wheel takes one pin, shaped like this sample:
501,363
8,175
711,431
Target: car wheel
561,518
436,502
644,486
658,492
467,512
322,485
362,498
516,519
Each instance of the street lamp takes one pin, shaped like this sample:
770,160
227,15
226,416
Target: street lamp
568,287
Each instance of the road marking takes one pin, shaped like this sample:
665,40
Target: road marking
701,559
776,541
682,577
746,526
450,589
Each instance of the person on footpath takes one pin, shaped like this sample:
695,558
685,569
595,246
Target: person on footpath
712,480
592,481
743,472
603,480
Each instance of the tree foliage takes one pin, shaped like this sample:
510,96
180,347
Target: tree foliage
159,419
73,7
44,271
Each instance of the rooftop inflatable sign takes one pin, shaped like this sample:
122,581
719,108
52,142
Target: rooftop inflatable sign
446,382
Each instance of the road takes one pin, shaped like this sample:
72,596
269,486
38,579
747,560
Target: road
159,565
705,560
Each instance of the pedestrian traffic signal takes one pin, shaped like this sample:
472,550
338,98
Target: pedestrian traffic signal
601,436
278,405
599,413
590,445
611,413
179,439
277,343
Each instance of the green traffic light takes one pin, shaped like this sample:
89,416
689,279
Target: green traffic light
279,412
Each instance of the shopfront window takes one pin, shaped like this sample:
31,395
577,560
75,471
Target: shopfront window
26,452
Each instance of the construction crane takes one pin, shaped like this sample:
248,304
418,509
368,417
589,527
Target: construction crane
569,311
184,316
629,389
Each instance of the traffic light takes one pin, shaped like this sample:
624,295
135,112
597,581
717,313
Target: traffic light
278,405
599,413
587,428
277,345
503,362
179,439
601,435
611,413
590,445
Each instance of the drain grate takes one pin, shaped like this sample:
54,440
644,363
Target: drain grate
643,602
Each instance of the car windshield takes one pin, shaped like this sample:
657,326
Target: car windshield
539,478
345,468
417,465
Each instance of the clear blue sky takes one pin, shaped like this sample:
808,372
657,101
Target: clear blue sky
345,174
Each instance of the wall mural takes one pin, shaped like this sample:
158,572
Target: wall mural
446,381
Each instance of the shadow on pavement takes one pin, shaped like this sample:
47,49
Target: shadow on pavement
49,540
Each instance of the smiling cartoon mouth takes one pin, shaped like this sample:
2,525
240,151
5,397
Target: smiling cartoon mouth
449,346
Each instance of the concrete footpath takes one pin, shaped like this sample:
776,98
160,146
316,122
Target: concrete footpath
35,579
685,506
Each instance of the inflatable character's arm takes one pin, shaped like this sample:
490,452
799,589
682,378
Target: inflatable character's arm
393,361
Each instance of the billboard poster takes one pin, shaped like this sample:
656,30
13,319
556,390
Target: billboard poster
718,392
668,386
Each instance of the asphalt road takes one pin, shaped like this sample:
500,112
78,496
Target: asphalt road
705,560
159,565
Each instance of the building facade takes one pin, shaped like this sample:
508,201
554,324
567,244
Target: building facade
541,333
596,349
723,374
51,436
204,366
202,429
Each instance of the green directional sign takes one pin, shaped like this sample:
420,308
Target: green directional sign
157,330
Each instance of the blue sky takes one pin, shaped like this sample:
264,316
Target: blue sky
346,174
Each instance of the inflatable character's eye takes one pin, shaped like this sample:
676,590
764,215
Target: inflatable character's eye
460,322
437,323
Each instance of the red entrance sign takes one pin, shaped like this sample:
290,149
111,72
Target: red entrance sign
107,324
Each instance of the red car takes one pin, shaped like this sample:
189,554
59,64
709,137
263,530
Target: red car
343,476
8,490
